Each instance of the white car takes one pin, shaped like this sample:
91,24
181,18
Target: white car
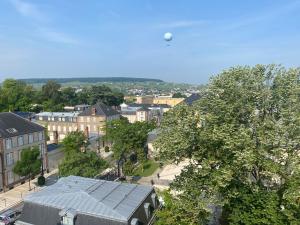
9,217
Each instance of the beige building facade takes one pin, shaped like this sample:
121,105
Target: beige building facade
17,134
91,121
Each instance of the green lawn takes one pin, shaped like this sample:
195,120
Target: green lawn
149,168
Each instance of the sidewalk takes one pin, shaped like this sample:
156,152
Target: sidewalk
14,197
166,175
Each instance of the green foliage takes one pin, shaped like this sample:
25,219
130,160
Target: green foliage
178,95
30,164
75,142
41,180
180,211
15,95
147,168
254,208
128,168
84,164
106,149
242,134
127,137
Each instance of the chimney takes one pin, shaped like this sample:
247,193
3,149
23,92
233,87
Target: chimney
94,111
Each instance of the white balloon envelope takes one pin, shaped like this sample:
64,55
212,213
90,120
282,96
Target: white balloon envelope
168,36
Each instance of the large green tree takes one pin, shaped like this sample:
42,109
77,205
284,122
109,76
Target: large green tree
84,164
127,138
15,96
29,164
242,135
75,142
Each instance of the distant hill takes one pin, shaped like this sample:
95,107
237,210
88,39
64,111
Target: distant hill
89,80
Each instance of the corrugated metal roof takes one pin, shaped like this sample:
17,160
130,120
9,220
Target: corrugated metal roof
100,198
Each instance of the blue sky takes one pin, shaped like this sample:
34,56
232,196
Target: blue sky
64,38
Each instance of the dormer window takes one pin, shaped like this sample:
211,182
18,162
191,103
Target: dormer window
68,216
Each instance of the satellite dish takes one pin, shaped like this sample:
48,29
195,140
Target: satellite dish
168,36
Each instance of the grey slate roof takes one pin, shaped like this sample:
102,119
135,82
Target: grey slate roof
101,110
99,198
143,108
191,99
13,125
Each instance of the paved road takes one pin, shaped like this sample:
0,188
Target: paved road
54,158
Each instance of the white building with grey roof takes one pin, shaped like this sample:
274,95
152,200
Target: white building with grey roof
84,201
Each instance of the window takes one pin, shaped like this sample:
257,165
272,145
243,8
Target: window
30,138
88,119
8,143
49,128
63,119
10,177
41,136
20,140
58,128
53,128
82,127
65,129
9,159
40,118
67,216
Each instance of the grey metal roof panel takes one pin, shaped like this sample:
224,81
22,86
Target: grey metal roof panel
22,126
100,198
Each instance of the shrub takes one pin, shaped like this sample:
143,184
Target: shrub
106,149
41,180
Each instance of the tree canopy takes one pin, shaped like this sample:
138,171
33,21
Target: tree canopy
29,164
15,95
74,142
242,140
84,164
127,137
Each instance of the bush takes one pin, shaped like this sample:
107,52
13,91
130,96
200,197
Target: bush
41,180
106,149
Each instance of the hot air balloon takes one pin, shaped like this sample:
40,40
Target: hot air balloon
168,36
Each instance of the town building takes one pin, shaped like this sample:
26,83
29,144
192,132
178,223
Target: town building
143,112
168,100
84,201
58,124
16,134
91,121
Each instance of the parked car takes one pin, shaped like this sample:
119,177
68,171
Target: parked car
9,217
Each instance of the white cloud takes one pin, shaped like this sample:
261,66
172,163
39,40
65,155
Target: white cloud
32,11
28,9
182,24
58,37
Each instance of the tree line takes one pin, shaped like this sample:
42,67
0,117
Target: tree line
16,95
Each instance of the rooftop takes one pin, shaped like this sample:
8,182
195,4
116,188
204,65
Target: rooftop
58,114
101,110
13,125
99,198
